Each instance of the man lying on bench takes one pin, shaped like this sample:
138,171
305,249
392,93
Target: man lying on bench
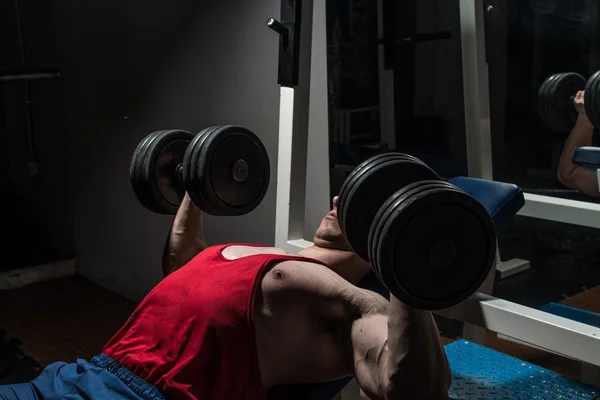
240,321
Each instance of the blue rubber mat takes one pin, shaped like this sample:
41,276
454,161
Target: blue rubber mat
483,374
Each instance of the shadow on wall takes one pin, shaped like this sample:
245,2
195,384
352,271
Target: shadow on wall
34,189
130,68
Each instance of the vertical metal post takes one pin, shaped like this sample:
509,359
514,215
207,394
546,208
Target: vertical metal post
317,167
477,110
476,89
292,146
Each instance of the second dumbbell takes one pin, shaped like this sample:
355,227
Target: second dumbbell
224,169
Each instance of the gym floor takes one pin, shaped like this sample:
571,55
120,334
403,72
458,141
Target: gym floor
69,318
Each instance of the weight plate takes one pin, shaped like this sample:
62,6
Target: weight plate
385,212
553,114
350,181
190,170
555,98
228,171
153,170
544,101
350,184
439,244
567,88
140,188
592,100
368,190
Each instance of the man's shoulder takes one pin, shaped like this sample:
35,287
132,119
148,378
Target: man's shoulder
235,251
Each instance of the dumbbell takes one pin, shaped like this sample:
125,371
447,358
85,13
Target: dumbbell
556,97
430,243
224,169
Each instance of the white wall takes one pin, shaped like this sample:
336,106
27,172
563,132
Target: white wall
131,67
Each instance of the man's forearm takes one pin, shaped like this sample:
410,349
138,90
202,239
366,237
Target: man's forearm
186,238
416,363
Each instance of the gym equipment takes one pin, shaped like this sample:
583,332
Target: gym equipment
288,30
224,169
501,200
556,96
588,158
30,75
155,168
378,178
430,243
592,103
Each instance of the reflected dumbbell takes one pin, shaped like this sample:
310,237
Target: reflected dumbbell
556,97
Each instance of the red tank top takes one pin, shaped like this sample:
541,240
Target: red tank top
192,337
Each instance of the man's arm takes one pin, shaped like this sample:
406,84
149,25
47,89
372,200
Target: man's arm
400,356
185,239
569,174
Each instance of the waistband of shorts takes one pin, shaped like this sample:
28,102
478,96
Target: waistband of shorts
139,386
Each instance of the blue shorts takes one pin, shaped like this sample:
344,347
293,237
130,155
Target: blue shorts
102,378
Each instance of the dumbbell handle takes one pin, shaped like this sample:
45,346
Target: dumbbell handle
179,172
239,171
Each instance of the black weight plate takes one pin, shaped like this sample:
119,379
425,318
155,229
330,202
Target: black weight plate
352,177
554,113
140,189
361,237
427,217
232,171
544,100
381,217
385,212
387,269
567,87
190,170
592,99
372,186
349,181
356,176
153,170
556,100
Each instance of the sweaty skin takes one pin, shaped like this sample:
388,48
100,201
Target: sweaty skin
313,324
